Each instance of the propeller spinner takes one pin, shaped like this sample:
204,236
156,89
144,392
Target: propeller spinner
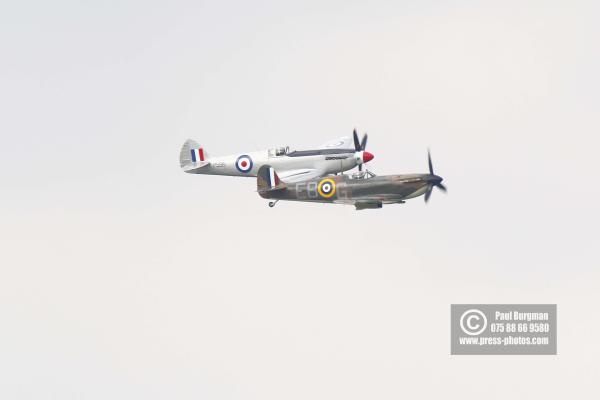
360,146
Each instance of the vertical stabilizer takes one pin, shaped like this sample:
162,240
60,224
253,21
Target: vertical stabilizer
192,155
267,179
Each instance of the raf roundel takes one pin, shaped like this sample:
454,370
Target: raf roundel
244,163
326,188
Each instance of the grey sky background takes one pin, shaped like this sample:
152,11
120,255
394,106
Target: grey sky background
122,277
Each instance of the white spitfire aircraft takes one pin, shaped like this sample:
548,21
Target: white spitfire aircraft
292,166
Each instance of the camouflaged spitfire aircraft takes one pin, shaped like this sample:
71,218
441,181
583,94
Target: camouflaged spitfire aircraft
363,190
292,166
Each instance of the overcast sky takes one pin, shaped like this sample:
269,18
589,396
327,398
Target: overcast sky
122,277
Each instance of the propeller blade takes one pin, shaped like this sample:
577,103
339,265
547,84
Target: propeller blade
360,167
441,187
363,143
428,194
356,141
429,161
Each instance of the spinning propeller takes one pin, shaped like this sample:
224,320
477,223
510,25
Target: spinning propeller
360,146
434,180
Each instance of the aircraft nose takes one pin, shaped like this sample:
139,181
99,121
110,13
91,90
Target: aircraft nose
367,156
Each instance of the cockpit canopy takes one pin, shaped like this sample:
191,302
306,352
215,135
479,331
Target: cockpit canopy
279,151
362,175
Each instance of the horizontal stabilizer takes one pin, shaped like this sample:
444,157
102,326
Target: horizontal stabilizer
196,169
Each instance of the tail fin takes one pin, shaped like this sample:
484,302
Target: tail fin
192,155
268,180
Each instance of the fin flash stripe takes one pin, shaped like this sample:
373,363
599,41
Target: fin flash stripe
273,178
197,154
